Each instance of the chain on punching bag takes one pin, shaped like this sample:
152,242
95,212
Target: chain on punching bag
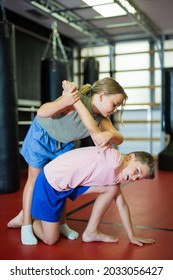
53,70
165,158
9,155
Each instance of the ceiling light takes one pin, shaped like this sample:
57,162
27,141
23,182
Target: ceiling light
97,2
106,8
110,10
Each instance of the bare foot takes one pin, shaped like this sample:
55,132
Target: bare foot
17,221
98,236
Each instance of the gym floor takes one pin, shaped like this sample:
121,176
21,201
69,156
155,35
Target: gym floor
151,206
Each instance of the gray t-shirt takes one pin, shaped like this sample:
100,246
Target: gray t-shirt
67,128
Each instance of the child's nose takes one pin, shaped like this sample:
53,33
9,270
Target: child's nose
134,177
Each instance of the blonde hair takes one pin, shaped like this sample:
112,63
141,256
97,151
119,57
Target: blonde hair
109,86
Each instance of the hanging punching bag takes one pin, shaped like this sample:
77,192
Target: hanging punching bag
91,70
9,155
165,158
91,75
53,72
168,101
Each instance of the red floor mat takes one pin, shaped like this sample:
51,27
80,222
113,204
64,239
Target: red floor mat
150,202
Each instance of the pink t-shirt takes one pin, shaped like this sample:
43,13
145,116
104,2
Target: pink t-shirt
89,166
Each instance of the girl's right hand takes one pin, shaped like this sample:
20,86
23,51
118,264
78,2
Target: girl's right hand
101,138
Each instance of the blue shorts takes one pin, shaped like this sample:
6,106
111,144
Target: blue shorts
48,203
39,147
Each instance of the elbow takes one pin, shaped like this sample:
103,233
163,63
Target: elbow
119,140
41,113
38,112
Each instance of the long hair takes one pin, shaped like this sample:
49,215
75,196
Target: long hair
109,86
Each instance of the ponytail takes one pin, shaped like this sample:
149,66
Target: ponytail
85,89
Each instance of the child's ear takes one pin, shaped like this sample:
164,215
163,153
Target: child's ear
132,155
128,157
101,95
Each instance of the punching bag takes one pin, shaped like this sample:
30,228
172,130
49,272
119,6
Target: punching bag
91,70
165,158
91,75
53,72
9,154
53,69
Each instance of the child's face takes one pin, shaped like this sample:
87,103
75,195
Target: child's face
134,170
108,104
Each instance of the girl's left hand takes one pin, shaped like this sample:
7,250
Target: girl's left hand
70,93
68,87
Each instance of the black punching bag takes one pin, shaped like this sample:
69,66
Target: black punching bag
9,154
91,70
53,72
165,158
91,75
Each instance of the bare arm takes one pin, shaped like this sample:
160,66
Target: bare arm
126,219
112,133
62,104
100,136
86,118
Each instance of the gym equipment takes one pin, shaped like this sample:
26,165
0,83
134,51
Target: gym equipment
91,74
53,72
165,157
91,70
53,69
9,150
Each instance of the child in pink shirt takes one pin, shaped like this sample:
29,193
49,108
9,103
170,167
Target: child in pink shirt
54,130
82,171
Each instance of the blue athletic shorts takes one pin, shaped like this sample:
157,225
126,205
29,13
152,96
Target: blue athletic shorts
39,147
48,203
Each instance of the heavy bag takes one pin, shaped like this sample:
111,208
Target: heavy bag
91,74
91,70
53,72
167,101
9,151
165,158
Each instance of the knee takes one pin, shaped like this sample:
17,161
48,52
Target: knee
111,190
50,240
